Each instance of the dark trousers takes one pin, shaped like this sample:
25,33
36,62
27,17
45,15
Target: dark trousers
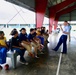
63,39
3,52
21,52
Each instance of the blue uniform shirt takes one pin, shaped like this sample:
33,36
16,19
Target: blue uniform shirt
22,37
30,37
66,29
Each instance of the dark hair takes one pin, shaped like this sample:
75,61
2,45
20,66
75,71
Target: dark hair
22,29
14,32
68,23
65,21
14,29
1,32
41,27
35,28
47,30
31,29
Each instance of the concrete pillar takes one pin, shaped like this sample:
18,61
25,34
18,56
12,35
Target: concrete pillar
40,9
54,9
51,19
55,24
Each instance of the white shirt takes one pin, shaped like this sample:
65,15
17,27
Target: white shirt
66,29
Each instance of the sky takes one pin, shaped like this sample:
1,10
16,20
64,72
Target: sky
13,14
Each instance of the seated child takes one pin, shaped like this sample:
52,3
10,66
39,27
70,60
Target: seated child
3,48
40,36
16,45
40,46
25,42
33,42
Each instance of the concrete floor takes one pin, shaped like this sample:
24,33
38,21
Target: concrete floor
47,64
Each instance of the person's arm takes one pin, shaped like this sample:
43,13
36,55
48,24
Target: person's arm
26,42
30,39
34,41
14,46
23,41
6,44
18,47
3,46
61,28
65,32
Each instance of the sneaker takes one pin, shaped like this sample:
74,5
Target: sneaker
41,53
53,49
32,55
23,62
1,67
26,63
63,53
36,56
47,41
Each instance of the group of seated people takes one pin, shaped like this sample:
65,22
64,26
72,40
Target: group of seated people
23,41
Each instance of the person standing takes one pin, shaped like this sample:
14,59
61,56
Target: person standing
69,32
63,39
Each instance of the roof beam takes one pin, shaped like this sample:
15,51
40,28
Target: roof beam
60,6
67,10
54,9
24,3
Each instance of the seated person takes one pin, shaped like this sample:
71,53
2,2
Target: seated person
47,32
33,42
16,45
35,36
40,36
25,42
3,48
45,35
38,31
42,29
38,41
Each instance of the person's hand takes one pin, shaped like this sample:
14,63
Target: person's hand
28,43
21,47
61,27
35,42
